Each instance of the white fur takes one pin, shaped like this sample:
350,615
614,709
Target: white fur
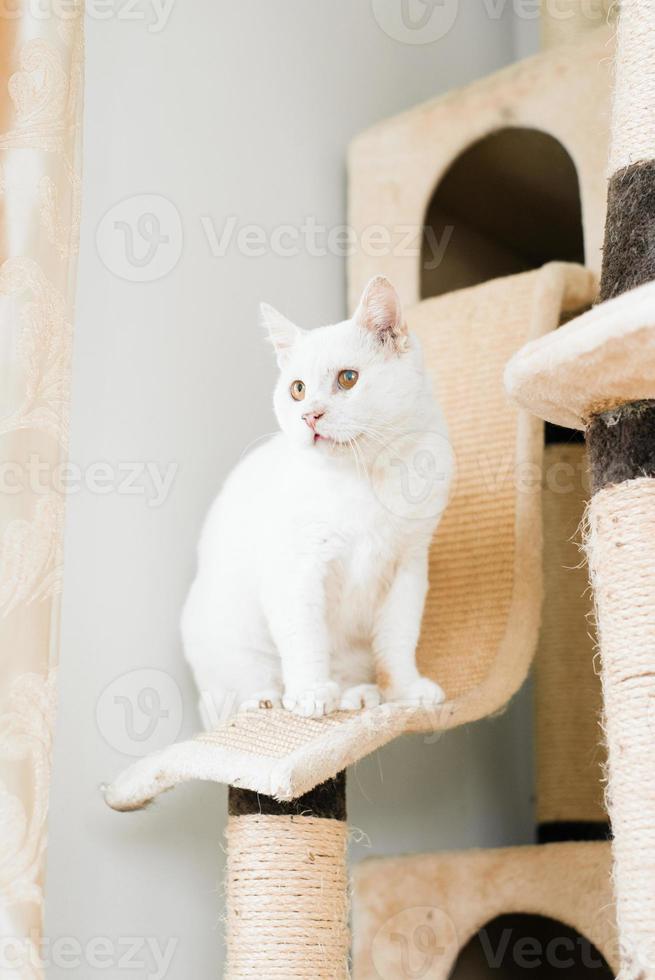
313,561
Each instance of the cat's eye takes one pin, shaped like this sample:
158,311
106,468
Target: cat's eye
297,390
348,379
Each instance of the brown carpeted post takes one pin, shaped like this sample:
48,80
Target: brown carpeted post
287,885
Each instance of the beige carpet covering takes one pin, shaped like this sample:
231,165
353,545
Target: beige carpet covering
602,359
395,166
445,899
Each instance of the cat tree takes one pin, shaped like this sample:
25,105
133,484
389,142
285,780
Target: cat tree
598,375
287,834
423,910
479,635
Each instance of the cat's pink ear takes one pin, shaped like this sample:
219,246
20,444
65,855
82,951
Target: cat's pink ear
282,333
381,313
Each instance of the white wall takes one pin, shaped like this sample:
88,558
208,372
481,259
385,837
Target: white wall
245,109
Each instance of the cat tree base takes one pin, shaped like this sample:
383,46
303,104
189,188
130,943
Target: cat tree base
418,913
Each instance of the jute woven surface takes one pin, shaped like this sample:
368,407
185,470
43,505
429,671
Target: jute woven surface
570,753
413,915
482,614
287,905
484,575
621,553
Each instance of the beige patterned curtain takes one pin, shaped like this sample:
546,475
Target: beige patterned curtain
41,74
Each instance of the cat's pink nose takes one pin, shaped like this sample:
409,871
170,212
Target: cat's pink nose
311,418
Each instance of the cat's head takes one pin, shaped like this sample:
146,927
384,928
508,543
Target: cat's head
359,381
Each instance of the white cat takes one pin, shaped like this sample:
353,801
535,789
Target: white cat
313,562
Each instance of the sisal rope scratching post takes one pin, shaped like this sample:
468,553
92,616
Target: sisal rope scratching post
598,373
569,752
287,885
621,532
621,548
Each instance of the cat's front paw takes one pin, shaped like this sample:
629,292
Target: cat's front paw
314,701
360,696
422,693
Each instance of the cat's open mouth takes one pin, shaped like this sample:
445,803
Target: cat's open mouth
332,441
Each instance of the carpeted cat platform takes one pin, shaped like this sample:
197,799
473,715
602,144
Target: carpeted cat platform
446,898
482,615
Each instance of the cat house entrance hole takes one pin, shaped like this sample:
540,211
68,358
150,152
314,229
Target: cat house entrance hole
519,945
508,203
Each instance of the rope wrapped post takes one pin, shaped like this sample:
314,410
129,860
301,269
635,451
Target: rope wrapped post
287,885
621,517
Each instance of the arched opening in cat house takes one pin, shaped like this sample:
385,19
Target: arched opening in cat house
508,203
519,945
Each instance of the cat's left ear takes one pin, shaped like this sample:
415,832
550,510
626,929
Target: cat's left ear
282,333
381,313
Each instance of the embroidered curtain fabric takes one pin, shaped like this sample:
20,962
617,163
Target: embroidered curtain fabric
41,76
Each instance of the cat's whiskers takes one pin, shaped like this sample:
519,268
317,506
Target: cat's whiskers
359,457
351,446
379,437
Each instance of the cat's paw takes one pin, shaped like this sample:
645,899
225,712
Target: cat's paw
360,696
261,701
314,701
421,693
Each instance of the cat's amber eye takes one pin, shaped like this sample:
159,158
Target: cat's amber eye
298,390
348,379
